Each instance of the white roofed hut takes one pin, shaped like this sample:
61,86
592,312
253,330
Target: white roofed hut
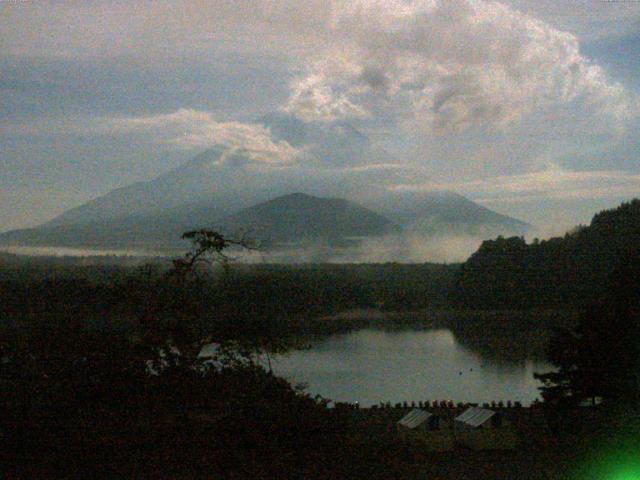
427,427
416,418
475,417
483,429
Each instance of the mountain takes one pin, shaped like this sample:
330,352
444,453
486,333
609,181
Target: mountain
158,230
220,176
336,144
430,213
298,217
201,180
289,219
231,189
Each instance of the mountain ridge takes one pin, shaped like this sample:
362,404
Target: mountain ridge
228,189
286,219
297,217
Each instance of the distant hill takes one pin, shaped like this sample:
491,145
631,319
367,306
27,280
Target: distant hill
289,219
199,181
226,189
232,181
574,269
447,212
151,231
298,217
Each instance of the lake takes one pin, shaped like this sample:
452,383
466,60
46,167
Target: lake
372,366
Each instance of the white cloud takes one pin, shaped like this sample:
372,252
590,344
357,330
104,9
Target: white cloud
184,128
503,80
553,182
312,99
197,129
449,65
438,64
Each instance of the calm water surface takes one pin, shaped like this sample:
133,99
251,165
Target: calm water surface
371,366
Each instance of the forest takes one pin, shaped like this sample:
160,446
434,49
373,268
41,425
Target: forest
572,270
102,373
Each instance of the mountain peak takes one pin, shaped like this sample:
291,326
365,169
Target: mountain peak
295,196
298,216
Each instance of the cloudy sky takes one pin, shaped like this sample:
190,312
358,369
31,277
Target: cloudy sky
530,107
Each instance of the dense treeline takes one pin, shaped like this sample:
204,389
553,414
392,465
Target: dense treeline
103,375
505,273
241,295
571,270
600,358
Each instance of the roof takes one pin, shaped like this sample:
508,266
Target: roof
475,416
414,418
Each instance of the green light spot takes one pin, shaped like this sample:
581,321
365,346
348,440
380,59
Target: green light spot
626,475
618,465
630,471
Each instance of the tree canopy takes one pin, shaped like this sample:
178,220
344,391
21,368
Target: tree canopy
601,357
572,270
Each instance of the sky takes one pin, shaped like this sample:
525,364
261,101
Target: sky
529,107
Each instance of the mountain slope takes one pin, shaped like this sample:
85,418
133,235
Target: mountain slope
446,212
221,176
229,177
144,231
298,217
199,179
222,187
335,144
289,219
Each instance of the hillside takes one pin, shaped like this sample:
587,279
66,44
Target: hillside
289,219
443,211
199,181
157,230
232,180
298,217
230,189
574,269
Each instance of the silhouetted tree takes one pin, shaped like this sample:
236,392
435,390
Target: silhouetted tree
171,325
601,358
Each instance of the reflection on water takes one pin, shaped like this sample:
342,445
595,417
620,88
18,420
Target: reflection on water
371,366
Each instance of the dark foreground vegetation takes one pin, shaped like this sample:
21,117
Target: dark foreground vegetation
86,399
102,376
275,303
101,373
242,299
